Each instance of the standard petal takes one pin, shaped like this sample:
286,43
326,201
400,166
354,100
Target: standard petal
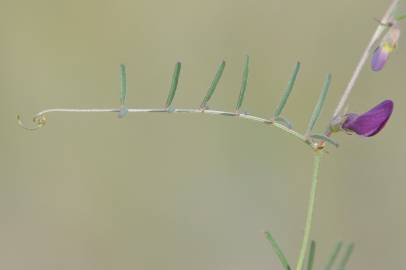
371,122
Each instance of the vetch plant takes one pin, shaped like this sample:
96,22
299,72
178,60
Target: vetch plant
385,39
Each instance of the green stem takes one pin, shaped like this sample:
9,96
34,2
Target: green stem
310,208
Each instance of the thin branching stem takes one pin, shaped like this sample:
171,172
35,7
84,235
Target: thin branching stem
340,106
310,209
40,120
270,122
378,32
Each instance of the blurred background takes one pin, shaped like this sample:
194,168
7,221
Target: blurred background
158,191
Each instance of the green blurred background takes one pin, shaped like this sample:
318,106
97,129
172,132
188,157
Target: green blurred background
157,191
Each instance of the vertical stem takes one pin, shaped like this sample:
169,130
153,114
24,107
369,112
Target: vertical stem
310,208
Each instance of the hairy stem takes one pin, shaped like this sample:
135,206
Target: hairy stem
310,209
378,32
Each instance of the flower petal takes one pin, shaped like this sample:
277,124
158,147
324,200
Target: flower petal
371,122
388,44
379,58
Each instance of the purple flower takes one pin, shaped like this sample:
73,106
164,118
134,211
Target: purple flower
370,123
388,44
380,57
